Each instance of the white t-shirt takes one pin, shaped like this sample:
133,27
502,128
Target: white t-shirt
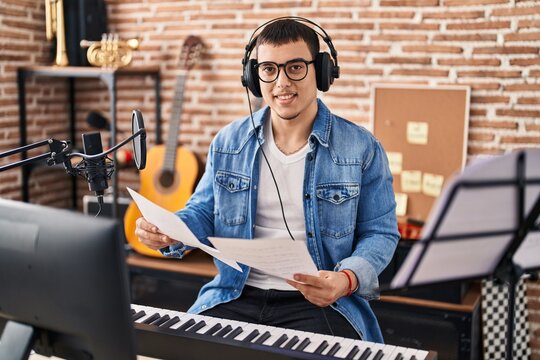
289,173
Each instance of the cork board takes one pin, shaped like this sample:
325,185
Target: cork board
423,130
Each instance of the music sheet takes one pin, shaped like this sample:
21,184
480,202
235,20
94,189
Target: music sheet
171,225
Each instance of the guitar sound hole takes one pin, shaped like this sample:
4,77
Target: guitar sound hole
166,179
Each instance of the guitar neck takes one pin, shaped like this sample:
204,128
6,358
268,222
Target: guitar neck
174,125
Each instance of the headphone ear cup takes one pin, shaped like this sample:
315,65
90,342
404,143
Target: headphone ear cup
251,79
323,71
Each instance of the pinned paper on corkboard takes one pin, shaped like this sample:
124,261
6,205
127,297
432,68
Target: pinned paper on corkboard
428,127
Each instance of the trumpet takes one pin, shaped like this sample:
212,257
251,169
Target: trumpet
54,25
110,51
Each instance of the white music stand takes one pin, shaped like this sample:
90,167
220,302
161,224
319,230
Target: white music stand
483,225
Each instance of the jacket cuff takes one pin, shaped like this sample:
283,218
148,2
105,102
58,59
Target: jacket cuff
175,250
368,281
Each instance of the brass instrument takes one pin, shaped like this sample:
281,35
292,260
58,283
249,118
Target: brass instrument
110,52
54,25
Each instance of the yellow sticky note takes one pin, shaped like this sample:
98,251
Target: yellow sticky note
432,184
395,161
417,133
411,181
401,204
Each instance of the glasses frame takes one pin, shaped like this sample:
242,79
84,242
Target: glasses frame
284,66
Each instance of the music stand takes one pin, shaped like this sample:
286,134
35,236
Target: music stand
483,225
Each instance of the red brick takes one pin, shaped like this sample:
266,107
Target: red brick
408,26
409,2
469,62
478,150
473,2
386,14
522,87
490,99
478,112
465,37
533,127
497,74
399,37
420,72
454,15
518,113
534,73
517,11
433,49
522,140
402,60
344,3
481,137
485,25
529,100
528,24
525,62
507,50
510,125
285,4
528,36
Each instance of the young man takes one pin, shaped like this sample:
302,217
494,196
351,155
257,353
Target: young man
337,196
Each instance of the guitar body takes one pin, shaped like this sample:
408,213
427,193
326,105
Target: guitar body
169,189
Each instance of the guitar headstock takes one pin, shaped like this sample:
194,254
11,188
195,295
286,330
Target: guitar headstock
191,52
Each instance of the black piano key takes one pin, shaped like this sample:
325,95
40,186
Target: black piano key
213,329
197,326
280,341
379,355
161,320
252,335
399,356
303,344
321,347
292,342
186,325
224,331
413,357
151,318
263,337
234,333
365,354
167,324
138,315
353,352
334,349
132,311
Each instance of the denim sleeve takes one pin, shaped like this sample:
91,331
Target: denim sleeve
376,233
198,214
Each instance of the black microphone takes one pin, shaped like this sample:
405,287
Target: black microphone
95,170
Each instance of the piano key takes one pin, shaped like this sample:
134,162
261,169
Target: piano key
354,350
293,341
365,354
346,345
280,341
248,330
138,315
261,339
303,344
224,331
378,355
197,326
161,320
213,329
237,331
142,319
167,324
275,333
252,335
322,346
334,349
186,325
315,341
409,353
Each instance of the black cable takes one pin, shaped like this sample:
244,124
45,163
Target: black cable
268,163
100,204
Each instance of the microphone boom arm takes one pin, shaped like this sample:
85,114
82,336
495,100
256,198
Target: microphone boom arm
56,155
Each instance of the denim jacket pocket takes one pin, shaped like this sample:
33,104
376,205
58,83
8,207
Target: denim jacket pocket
232,197
337,203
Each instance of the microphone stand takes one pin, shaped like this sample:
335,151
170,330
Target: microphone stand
59,154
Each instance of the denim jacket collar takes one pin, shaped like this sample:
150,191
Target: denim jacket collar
321,127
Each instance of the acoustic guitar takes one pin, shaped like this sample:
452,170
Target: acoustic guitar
171,171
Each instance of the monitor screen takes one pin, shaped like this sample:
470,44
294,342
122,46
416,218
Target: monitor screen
63,275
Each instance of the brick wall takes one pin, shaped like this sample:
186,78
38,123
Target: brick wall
491,45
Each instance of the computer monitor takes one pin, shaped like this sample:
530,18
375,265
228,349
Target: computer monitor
63,285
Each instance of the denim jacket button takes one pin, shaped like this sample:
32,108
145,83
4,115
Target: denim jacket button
336,197
307,196
309,234
309,157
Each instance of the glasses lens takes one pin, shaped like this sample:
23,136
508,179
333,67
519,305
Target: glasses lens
296,70
268,71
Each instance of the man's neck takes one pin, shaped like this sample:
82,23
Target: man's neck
292,133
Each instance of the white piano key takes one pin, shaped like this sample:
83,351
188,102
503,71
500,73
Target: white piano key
275,334
342,352
409,354
421,354
248,329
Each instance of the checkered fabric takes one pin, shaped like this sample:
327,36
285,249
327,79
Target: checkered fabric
494,316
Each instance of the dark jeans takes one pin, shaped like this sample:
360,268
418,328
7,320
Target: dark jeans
286,309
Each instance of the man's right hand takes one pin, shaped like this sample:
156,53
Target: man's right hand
150,236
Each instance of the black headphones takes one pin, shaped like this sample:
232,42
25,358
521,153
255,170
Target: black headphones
326,69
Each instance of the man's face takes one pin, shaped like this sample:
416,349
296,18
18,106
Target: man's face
289,99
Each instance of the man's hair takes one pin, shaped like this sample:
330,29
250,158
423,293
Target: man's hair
286,31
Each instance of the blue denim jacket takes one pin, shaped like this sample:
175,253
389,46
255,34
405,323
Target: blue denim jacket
349,208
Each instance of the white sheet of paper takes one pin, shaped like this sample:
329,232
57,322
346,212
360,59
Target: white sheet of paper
172,226
279,257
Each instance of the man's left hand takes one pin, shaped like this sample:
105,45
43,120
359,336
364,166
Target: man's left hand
325,289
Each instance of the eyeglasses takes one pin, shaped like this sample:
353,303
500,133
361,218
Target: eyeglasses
295,69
